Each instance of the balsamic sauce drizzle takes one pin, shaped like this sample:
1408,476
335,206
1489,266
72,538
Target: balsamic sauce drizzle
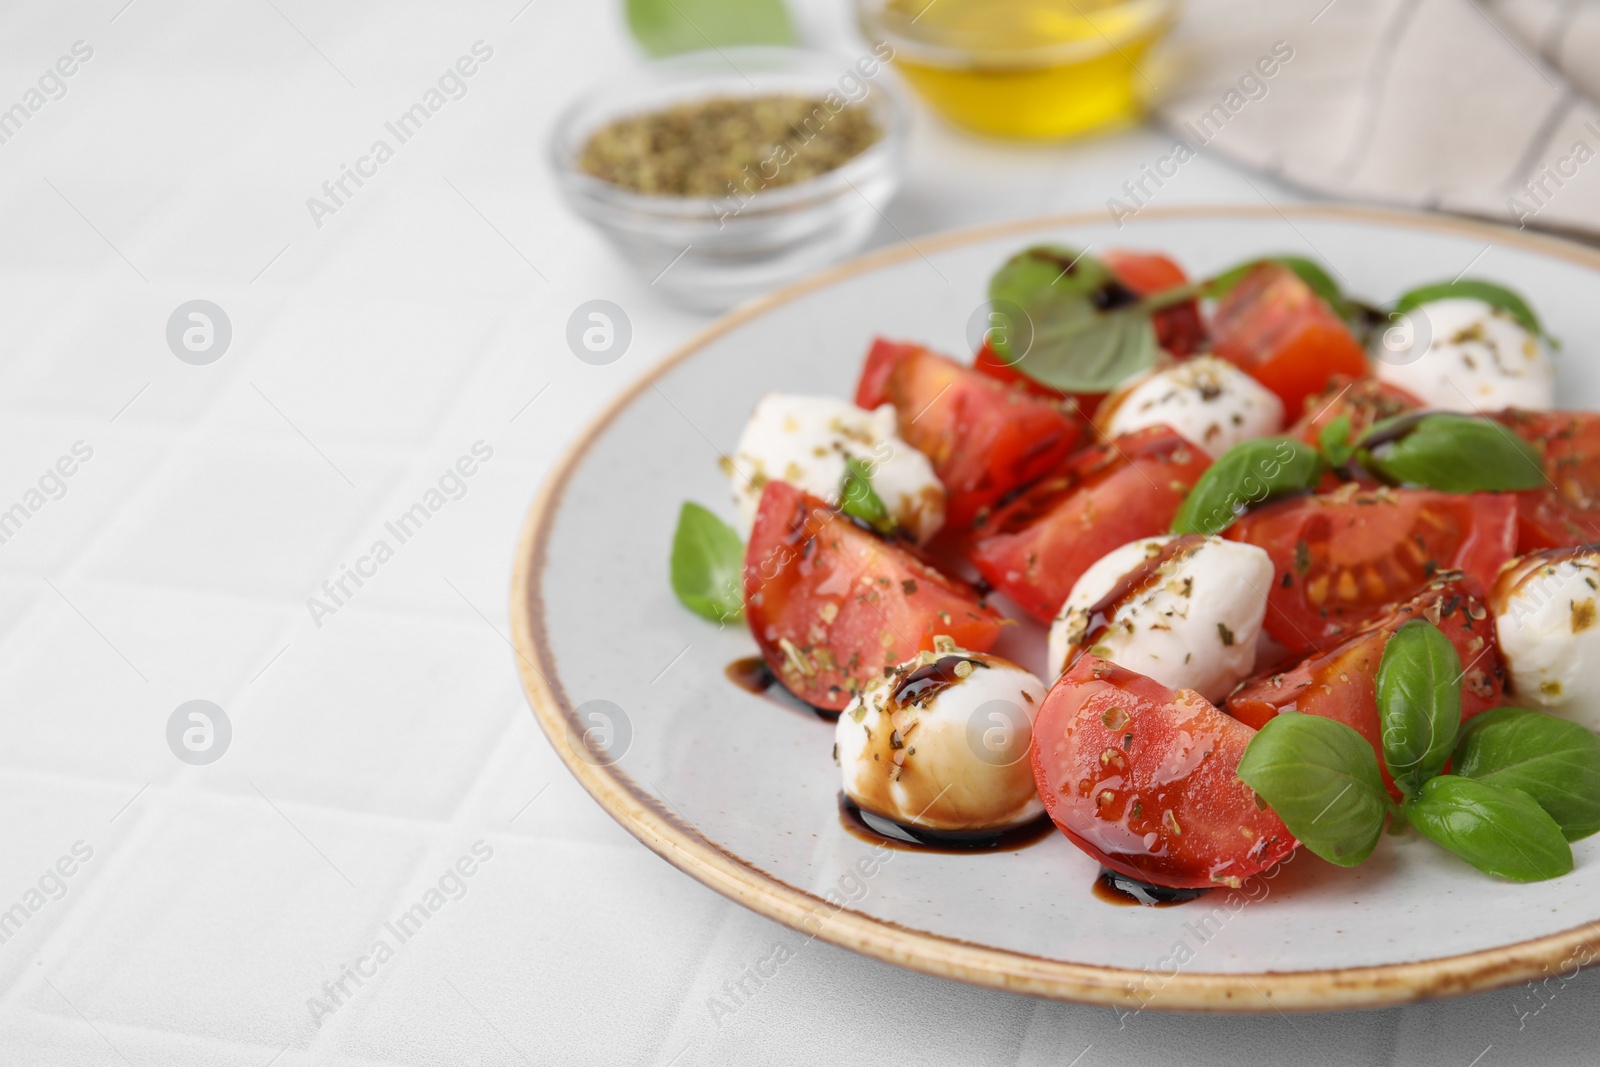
1114,887
880,830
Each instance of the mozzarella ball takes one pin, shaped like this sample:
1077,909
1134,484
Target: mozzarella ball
1473,357
1185,611
805,440
1544,607
941,742
1208,400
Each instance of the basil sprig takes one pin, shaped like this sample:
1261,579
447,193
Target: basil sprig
1455,453
1334,440
667,27
1322,779
1500,831
1525,783
1497,296
1554,761
707,565
1088,332
1249,473
857,498
1419,703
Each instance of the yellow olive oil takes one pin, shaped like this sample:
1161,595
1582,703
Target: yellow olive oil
1028,68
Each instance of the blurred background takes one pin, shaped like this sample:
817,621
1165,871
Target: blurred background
257,338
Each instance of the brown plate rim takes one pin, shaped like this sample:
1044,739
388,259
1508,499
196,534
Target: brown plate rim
666,834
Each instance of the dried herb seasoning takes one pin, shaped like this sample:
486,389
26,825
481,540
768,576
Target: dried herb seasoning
723,146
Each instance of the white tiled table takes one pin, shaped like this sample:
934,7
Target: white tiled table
371,752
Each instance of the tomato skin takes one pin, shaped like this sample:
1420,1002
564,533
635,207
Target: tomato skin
1273,326
1342,684
983,438
1364,400
1342,558
1035,547
847,601
1144,779
1179,329
1565,513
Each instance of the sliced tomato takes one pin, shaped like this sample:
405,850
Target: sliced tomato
1566,512
983,438
1179,328
1341,558
1364,400
1272,325
1342,684
831,603
1145,780
1035,547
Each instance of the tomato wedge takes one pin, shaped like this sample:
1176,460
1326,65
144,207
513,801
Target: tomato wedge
831,603
1179,328
1343,684
1035,547
1364,400
984,438
1144,779
1272,325
1341,558
1565,513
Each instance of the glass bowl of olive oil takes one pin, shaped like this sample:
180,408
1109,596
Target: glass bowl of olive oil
1027,69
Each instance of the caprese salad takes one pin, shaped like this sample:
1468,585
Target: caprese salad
1309,568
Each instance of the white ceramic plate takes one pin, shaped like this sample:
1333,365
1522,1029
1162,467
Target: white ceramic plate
741,793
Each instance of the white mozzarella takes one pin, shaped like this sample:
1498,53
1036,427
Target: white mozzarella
1474,357
1545,607
805,440
1193,625
1208,400
954,760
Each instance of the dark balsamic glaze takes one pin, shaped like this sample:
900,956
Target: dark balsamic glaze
927,682
1400,427
1112,295
877,829
1146,574
754,676
1116,888
751,674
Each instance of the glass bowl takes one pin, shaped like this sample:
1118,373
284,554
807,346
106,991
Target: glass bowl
1031,69
713,253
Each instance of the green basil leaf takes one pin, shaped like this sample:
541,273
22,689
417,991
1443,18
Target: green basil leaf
857,497
1455,453
708,565
1497,296
1309,271
1322,779
1419,703
1334,440
1087,332
1500,831
1248,473
1554,761
666,27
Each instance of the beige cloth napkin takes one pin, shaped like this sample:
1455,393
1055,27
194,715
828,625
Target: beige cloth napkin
1483,107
